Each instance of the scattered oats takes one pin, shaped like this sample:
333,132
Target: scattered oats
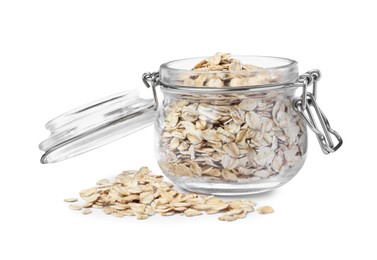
142,194
108,210
137,207
167,213
192,212
70,200
265,210
120,206
117,214
88,205
88,192
135,190
141,215
233,212
75,207
127,212
219,207
201,206
146,197
92,198
227,218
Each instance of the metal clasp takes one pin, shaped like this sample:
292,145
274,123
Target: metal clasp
304,105
152,80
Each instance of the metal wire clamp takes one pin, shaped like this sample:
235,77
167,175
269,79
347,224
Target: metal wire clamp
308,107
152,80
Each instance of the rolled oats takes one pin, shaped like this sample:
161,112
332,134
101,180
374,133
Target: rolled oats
265,210
70,200
75,207
117,214
119,198
192,212
226,137
224,63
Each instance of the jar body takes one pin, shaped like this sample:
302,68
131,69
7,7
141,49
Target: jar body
230,143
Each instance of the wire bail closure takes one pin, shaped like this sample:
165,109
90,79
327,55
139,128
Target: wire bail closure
152,80
304,105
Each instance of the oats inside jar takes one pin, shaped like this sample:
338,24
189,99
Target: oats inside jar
217,136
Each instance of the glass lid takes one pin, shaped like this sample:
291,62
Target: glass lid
95,124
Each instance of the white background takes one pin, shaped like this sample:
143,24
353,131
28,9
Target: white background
55,55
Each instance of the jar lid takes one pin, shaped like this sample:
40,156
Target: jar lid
96,124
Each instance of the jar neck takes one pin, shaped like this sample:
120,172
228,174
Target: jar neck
226,96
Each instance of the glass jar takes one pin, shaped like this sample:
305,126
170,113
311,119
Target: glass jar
219,132
236,140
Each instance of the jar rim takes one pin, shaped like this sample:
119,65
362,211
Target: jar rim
289,63
284,69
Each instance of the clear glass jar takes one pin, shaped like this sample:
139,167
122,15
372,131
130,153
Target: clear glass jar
238,140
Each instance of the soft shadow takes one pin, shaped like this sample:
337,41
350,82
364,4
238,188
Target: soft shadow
264,195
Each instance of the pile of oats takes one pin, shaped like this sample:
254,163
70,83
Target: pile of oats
237,75
243,137
142,194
